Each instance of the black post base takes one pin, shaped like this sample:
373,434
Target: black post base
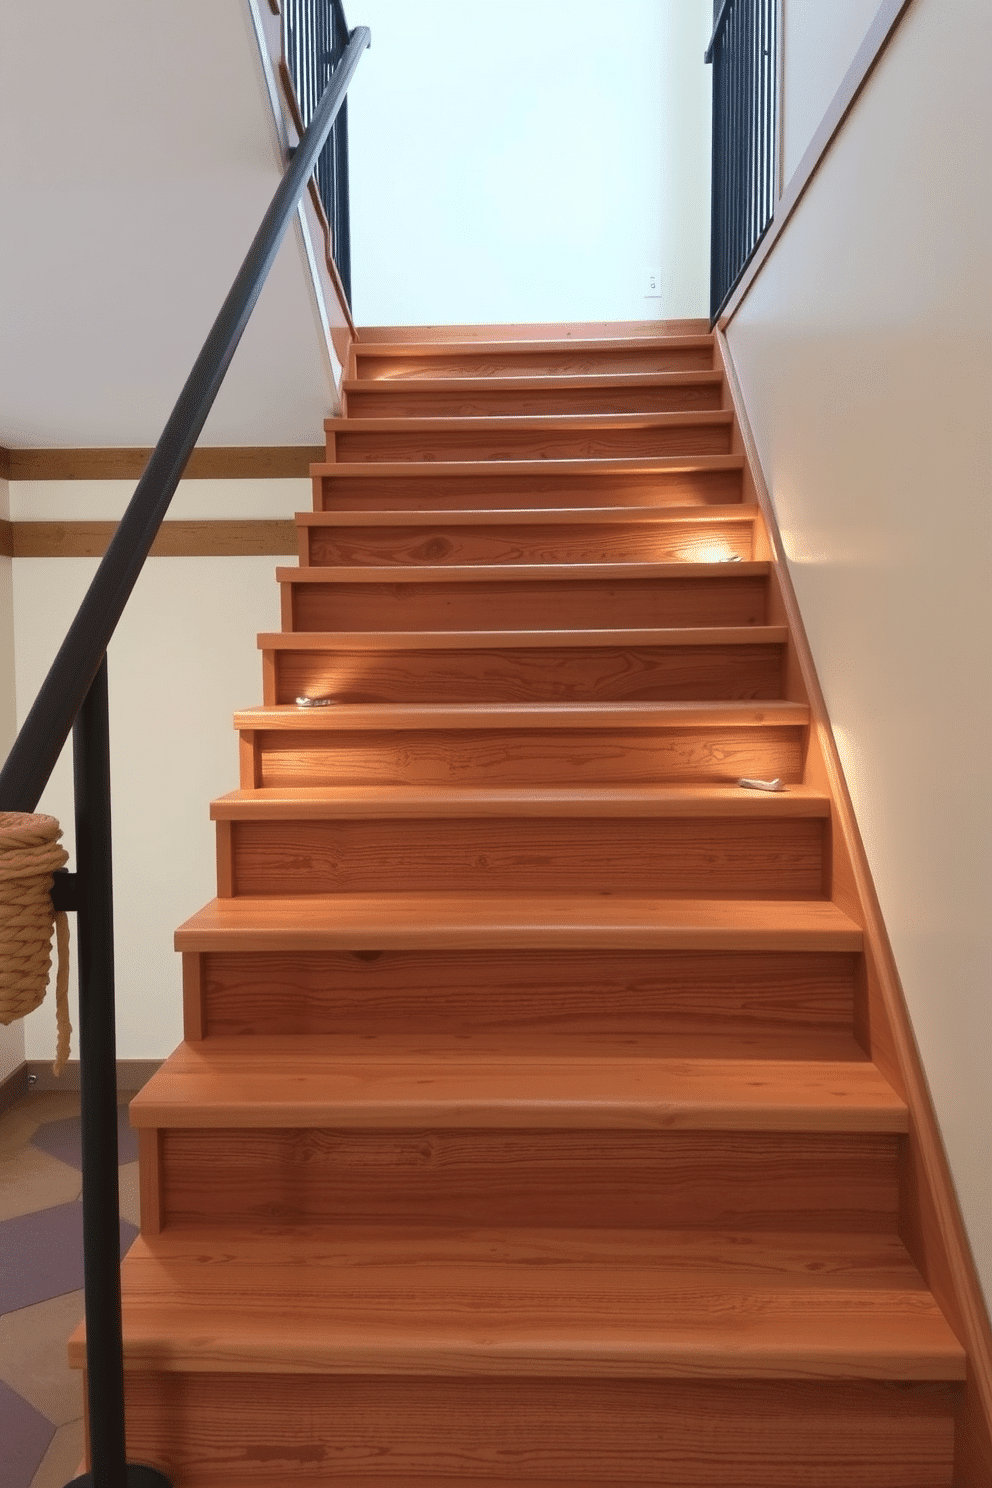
138,1476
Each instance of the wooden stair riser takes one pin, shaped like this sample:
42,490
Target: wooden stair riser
528,674
535,756
578,994
396,400
430,487
685,858
628,1179
707,434
382,1431
510,361
570,603
506,542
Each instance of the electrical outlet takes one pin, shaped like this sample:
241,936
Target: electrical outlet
652,284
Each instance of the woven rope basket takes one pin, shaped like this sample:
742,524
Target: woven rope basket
29,856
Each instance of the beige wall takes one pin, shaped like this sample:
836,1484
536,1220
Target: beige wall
819,40
11,1037
531,162
183,659
863,351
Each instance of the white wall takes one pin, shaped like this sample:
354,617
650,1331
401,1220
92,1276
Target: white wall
184,658
11,1037
529,162
819,41
863,353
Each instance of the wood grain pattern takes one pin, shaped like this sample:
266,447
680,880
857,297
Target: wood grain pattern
6,537
262,462
568,671
524,922
177,539
703,480
508,757
574,994
528,600
507,539
579,437
711,858
500,359
800,1183
405,1432
507,396
405,1082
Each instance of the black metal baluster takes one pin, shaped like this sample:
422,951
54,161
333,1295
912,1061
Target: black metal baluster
98,1100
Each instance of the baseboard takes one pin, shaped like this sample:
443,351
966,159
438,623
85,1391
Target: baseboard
132,1074
13,1086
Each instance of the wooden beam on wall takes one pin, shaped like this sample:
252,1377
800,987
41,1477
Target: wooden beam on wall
193,539
262,462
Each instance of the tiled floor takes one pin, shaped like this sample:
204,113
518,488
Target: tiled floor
41,1278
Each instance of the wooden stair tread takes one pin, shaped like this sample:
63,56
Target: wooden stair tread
524,516
469,640
500,423
426,349
525,921
579,715
399,1081
607,465
682,1305
328,802
521,382
516,573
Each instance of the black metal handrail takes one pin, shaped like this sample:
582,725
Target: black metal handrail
744,52
74,697
314,36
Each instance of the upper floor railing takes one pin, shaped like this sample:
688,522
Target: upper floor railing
73,698
744,54
314,36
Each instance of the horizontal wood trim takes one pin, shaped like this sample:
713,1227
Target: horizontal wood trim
13,1087
194,539
934,1226
586,330
220,462
867,57
4,463
6,539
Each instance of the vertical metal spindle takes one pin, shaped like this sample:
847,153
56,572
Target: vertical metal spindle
98,1099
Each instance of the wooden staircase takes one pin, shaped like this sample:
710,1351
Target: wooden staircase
527,1130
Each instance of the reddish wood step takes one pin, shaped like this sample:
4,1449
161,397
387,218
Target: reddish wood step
600,997
504,745
715,663
633,392
542,437
633,1304
565,535
678,481
666,842
523,597
598,357
525,921
452,1432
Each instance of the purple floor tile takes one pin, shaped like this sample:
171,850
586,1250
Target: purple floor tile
26,1437
61,1139
41,1255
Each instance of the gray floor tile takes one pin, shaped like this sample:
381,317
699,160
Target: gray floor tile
41,1255
26,1437
33,1356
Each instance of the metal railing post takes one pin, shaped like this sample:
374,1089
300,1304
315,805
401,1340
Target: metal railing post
98,1099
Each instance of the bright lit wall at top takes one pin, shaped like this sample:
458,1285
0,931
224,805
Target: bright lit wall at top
530,162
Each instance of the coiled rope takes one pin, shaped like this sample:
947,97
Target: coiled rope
29,855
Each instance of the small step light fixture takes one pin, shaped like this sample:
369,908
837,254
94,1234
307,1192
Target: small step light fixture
765,785
305,702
